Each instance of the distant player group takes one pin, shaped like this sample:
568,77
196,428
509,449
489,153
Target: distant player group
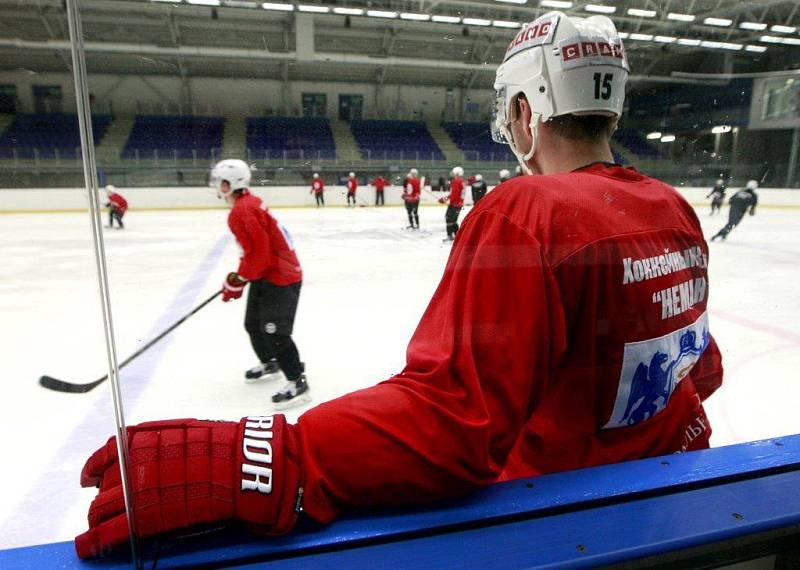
744,200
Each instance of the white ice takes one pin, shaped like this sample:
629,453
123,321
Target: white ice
367,281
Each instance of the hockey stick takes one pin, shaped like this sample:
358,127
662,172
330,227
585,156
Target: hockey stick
61,386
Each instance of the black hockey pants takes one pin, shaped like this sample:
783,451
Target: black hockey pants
412,208
451,220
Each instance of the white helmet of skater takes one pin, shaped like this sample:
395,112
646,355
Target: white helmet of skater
352,175
479,177
505,174
233,171
458,171
752,185
316,175
414,172
562,65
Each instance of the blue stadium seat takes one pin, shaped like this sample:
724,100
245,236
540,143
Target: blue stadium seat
182,137
475,140
395,140
48,135
290,137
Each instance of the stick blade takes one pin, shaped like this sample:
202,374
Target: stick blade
67,387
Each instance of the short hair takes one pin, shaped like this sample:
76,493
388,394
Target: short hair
578,127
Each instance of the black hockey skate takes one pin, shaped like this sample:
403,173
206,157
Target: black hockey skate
294,393
263,369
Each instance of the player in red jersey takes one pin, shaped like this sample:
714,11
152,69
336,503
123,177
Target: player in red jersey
318,189
352,186
455,201
117,206
570,329
269,264
379,183
411,196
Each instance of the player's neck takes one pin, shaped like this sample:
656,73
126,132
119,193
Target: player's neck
568,155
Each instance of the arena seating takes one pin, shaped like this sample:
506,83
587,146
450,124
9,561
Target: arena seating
395,140
475,140
294,138
181,137
635,142
47,135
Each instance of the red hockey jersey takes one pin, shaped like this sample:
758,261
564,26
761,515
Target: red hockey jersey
569,329
379,183
117,202
352,185
411,190
457,190
267,250
317,185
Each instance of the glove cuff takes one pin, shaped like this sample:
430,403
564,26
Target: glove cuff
269,482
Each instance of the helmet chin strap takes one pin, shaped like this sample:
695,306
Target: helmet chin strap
524,158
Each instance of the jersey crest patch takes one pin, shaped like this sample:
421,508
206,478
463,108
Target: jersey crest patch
652,369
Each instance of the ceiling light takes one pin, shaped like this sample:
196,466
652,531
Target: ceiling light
505,24
668,138
680,17
711,44
555,4
204,2
172,1
241,4
623,35
732,46
348,11
641,37
783,29
722,22
791,41
654,135
446,19
381,14
600,9
641,13
770,39
688,42
757,26
755,49
477,22
721,129
513,1
665,39
415,17
314,9
278,6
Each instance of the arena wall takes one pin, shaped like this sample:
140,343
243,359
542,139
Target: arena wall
177,198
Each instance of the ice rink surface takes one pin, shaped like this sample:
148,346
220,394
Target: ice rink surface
367,282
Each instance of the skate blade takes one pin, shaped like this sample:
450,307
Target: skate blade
265,378
303,398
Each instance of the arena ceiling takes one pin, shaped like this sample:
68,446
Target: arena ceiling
426,42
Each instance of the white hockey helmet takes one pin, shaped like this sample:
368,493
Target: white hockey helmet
479,177
505,174
414,172
720,181
316,175
233,171
752,185
110,188
563,65
458,171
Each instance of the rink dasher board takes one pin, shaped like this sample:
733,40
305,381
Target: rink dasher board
711,500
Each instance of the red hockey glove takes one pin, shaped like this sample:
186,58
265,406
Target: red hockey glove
233,287
189,472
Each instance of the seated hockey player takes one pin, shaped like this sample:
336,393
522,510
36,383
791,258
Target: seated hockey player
270,266
569,330
738,205
117,206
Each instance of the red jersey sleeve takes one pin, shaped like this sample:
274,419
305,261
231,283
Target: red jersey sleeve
256,253
478,361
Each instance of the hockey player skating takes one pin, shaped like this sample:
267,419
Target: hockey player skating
738,205
270,266
504,174
380,184
455,201
479,189
717,196
352,186
411,195
318,189
117,206
569,330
